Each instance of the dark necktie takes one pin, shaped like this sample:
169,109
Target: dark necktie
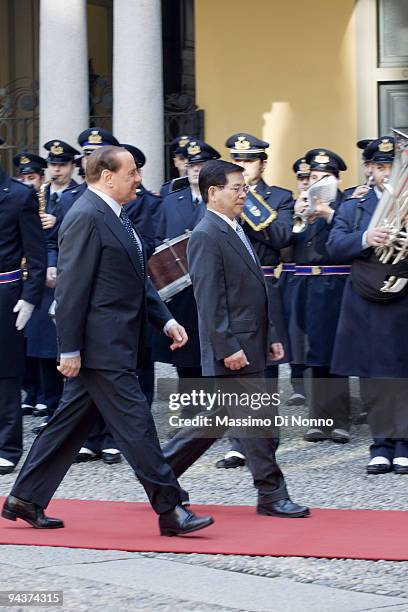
129,228
52,204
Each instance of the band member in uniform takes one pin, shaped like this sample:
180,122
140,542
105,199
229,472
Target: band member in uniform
180,211
236,332
316,289
362,190
41,340
298,397
267,221
179,145
21,235
101,313
30,169
61,165
372,335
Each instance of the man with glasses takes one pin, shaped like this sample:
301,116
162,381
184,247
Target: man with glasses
267,221
236,335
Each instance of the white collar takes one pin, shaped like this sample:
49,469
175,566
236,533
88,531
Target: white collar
378,193
109,201
231,222
194,196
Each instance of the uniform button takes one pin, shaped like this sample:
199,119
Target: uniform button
308,244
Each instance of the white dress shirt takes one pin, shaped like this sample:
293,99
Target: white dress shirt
231,222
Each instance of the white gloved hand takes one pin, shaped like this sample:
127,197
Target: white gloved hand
25,310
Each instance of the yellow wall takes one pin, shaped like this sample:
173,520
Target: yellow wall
284,71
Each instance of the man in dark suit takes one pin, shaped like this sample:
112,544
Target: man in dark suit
103,300
267,221
100,444
236,334
21,235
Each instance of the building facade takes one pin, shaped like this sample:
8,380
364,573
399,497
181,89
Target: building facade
297,74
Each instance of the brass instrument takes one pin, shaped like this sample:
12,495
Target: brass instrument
325,190
42,200
300,218
392,212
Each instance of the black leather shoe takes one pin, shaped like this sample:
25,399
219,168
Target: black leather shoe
296,399
83,457
378,469
341,436
40,410
316,435
6,469
230,462
15,508
400,469
181,520
111,458
283,508
27,409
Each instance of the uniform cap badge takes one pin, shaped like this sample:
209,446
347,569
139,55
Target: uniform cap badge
322,158
242,144
95,137
56,148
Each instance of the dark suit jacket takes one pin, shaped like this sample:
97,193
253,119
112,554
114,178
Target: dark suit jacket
231,297
178,213
21,235
103,298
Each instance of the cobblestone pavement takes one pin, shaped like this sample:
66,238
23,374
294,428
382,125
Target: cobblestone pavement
320,475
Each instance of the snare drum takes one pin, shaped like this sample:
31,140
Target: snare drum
168,268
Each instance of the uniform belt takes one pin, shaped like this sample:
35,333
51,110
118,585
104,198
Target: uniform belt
269,270
321,270
10,277
288,267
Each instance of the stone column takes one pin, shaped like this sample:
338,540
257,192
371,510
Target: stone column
64,104
138,82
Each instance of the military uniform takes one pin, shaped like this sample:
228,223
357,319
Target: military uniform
40,332
315,289
179,147
181,211
365,157
372,336
30,168
20,235
297,370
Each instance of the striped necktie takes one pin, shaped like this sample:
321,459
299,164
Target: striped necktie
129,228
245,240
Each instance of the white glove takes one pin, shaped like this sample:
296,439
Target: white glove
51,277
25,310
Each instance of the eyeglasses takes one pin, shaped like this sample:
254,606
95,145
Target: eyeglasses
237,190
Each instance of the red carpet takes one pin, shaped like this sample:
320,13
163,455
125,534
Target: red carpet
351,534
